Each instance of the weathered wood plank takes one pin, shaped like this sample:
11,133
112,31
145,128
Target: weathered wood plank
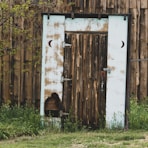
97,78
1,84
77,66
146,25
90,79
81,76
22,51
92,82
86,80
92,6
143,54
138,40
103,6
36,60
6,78
134,54
10,54
16,80
133,3
138,6
102,77
144,4
110,3
74,73
119,6
81,5
18,45
84,74
127,6
0,61
28,65
67,74
5,51
147,43
116,9
1,58
123,6
77,3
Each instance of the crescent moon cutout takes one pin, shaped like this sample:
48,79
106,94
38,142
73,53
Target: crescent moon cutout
122,44
49,43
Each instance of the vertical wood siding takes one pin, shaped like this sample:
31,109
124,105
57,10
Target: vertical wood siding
20,71
84,62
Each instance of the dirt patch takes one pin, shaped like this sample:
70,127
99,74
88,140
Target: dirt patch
78,146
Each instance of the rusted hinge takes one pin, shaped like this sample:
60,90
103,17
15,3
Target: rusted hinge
65,79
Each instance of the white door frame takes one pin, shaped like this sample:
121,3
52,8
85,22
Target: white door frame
54,27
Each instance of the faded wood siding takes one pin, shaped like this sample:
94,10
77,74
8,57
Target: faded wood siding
20,71
84,63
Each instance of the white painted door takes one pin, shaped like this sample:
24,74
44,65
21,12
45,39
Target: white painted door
117,69
52,57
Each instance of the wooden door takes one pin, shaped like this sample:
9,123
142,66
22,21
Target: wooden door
84,81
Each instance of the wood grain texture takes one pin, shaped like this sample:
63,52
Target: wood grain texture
144,4
134,66
20,72
143,55
87,57
133,3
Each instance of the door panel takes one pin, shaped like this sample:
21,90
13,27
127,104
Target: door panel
116,78
84,80
52,57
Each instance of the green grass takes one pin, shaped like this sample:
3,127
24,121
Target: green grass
138,115
20,128
96,139
17,121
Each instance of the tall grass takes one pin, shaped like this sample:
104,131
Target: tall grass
17,121
138,116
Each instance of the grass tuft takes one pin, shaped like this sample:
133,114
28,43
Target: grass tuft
138,116
17,121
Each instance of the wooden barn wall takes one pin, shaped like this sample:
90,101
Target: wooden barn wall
20,57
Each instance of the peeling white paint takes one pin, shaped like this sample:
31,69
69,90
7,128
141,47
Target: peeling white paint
116,81
86,24
52,57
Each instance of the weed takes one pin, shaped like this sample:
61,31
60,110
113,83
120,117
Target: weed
72,124
17,121
138,115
